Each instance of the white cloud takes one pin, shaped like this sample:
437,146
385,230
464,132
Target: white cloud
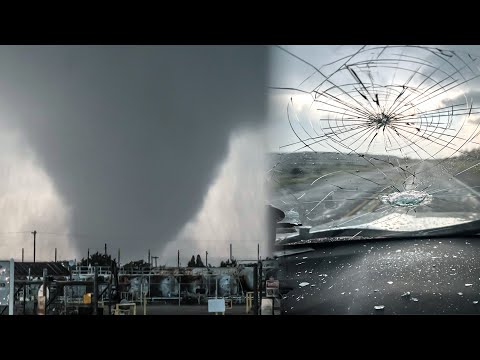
233,210
29,201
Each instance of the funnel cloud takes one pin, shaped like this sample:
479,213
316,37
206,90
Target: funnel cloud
233,211
131,137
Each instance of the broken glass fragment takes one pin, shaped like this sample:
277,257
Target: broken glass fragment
408,199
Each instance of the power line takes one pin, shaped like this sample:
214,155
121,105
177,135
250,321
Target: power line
14,232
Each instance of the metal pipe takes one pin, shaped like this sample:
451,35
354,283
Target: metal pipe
110,298
65,299
260,274
24,297
11,300
255,289
45,288
145,304
95,291
61,283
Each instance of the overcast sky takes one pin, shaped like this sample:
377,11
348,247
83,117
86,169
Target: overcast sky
288,71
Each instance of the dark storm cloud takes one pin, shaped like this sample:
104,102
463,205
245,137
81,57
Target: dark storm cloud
132,136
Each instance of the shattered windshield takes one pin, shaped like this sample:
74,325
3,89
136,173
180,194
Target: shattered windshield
375,136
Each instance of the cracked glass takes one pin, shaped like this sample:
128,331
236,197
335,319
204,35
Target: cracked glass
379,137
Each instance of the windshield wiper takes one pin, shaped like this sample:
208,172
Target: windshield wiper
358,233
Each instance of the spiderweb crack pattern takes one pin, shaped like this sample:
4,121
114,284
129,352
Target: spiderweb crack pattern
401,114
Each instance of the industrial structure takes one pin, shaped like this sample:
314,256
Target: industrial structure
91,289
68,288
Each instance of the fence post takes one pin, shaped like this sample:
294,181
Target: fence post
45,289
260,274
95,291
11,297
255,289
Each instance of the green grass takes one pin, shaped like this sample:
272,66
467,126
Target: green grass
310,174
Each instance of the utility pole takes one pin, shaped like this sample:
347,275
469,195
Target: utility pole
206,258
22,254
105,249
230,252
118,257
34,243
55,254
88,256
258,252
149,259
178,258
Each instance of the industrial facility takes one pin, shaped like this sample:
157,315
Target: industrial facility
97,285
72,289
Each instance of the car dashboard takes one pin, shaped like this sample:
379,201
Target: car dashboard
439,275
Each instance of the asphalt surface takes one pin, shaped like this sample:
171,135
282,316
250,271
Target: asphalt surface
171,309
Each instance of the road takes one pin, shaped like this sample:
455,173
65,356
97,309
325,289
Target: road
173,309
343,195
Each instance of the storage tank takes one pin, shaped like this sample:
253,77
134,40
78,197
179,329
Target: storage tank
136,286
168,286
227,285
246,275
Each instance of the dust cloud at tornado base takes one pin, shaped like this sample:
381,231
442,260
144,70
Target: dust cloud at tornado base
233,211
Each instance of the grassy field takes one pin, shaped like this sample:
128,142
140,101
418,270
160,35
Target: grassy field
303,168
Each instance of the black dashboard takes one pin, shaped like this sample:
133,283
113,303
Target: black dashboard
439,275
